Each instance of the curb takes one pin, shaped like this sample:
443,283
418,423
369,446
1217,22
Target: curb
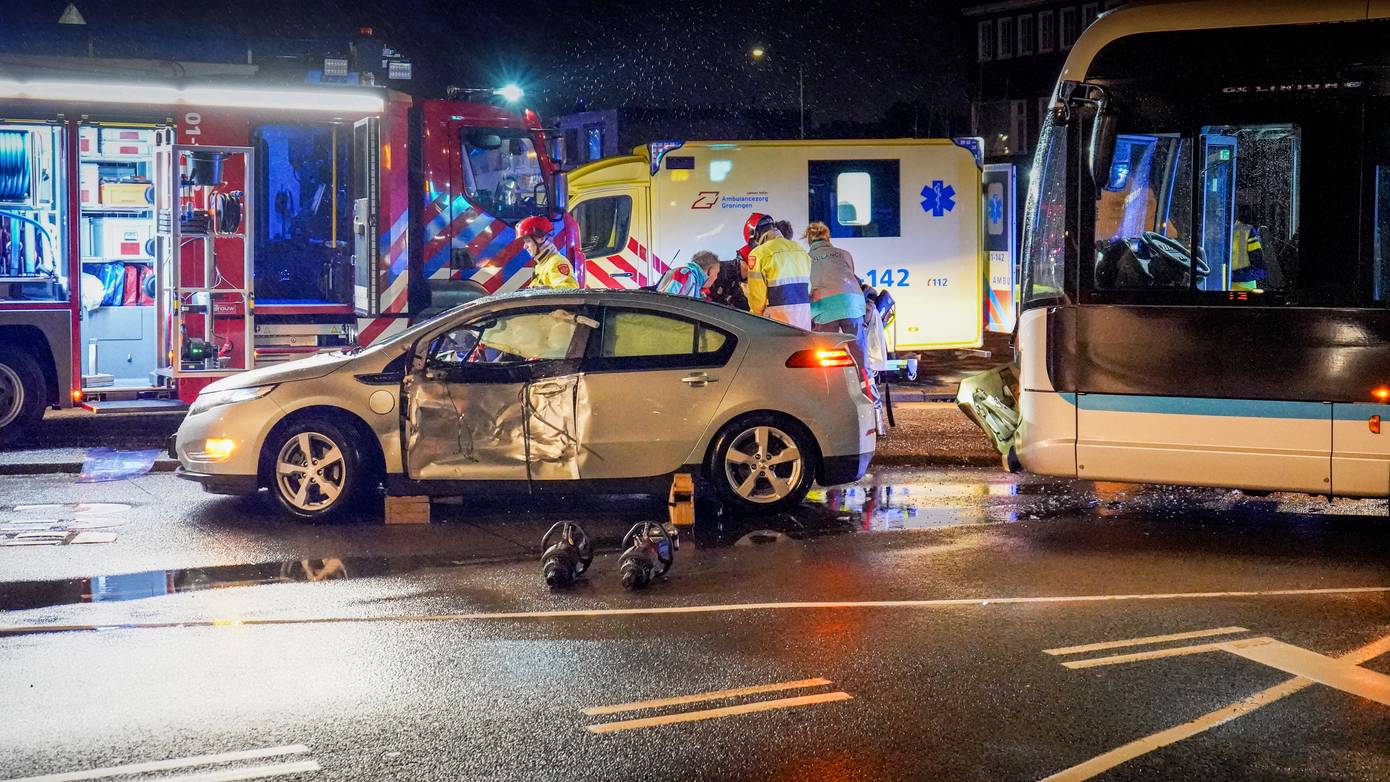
935,460
60,468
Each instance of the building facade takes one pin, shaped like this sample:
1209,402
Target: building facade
1018,51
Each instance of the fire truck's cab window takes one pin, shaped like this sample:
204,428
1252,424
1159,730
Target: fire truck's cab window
502,173
33,264
603,224
304,220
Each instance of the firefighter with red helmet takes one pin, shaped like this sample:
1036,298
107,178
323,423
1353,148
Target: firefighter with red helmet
552,269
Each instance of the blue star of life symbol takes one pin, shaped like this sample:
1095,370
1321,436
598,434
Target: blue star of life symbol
995,208
938,198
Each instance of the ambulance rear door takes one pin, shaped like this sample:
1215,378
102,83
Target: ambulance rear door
930,258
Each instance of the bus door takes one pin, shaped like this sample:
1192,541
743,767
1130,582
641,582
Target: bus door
1218,209
204,223
614,232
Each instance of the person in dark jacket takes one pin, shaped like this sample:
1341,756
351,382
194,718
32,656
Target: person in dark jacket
727,288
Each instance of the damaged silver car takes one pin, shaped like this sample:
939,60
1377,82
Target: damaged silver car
569,391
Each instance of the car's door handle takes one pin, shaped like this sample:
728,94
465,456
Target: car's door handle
697,379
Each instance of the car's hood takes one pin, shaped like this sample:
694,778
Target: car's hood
299,369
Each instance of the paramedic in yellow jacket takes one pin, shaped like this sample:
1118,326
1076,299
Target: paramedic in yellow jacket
1248,270
779,274
553,269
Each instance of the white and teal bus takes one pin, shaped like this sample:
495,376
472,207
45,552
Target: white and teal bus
1206,286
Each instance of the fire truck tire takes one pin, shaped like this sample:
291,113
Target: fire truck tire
23,392
316,471
763,463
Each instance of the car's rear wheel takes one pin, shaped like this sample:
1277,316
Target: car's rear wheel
23,393
762,464
317,471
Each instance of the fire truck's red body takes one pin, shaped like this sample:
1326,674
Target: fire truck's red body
154,236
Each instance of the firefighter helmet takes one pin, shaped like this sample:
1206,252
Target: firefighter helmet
755,225
535,225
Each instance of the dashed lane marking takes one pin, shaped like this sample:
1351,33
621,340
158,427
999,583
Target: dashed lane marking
725,711
1148,639
217,775
698,609
1127,752
681,700
1117,659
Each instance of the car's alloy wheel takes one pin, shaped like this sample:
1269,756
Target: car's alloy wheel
764,465
311,472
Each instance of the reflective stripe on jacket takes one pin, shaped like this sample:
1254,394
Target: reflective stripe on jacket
835,291
553,270
779,282
1247,257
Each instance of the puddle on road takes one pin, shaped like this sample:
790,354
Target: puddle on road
887,500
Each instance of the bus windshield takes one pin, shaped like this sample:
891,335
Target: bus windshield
502,173
1044,218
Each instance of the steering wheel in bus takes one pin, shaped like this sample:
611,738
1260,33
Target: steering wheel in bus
1169,249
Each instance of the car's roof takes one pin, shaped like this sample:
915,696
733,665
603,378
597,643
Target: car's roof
647,299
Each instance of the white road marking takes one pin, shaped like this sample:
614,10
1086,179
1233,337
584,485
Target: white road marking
725,711
1344,676
1127,752
165,765
679,700
245,772
713,609
1116,659
1148,639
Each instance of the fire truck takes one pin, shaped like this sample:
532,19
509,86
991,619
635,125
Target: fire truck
155,236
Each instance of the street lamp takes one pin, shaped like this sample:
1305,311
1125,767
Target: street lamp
759,53
510,93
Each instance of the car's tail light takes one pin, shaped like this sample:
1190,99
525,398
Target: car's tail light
820,359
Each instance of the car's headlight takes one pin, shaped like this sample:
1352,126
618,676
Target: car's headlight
206,401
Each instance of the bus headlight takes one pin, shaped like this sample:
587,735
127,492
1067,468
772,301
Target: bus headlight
206,401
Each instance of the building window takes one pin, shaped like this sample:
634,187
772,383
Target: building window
1089,12
1005,47
986,41
1069,31
1110,5
1004,126
1047,31
1026,35
593,142
856,198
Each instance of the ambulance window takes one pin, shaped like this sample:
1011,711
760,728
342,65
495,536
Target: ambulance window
856,198
603,224
502,173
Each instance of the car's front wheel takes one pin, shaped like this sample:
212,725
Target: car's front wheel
317,470
762,464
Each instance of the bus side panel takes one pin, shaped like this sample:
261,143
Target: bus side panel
1048,433
940,285
1360,451
1237,443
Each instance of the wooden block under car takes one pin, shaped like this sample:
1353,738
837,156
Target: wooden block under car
681,503
408,510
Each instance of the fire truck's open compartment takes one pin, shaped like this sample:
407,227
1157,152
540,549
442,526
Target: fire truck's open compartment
304,215
33,257
206,255
116,239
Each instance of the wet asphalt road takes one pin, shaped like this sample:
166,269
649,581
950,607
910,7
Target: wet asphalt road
909,617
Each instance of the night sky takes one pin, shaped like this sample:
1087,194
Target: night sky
860,58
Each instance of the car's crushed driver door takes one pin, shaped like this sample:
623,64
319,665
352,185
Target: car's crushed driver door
496,397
